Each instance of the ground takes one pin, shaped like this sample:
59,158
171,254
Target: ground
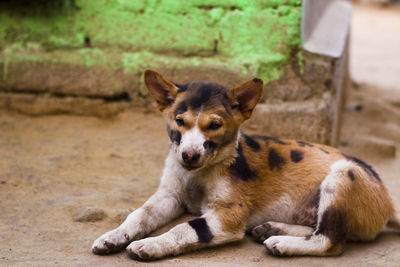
52,166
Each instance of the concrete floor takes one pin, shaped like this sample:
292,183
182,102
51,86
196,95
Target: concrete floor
375,43
51,166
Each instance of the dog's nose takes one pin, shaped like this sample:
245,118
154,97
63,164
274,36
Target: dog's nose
190,157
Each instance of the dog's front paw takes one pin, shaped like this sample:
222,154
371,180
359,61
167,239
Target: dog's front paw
111,242
145,249
275,245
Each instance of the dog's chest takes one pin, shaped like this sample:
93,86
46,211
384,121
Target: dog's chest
199,193
194,196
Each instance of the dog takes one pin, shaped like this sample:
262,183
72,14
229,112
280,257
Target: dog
295,197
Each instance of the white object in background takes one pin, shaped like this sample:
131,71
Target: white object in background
325,26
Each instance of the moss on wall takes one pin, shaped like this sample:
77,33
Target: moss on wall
255,36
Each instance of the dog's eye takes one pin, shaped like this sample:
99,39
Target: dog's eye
180,121
214,125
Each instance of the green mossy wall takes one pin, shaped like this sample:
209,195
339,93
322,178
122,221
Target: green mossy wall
256,36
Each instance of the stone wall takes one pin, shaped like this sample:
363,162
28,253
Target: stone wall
87,57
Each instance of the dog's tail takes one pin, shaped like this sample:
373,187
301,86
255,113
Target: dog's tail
394,222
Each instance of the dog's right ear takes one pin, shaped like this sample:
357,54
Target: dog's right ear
247,96
163,91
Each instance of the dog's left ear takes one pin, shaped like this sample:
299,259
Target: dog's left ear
163,91
247,95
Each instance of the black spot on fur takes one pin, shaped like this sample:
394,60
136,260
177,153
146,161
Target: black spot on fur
257,80
201,97
174,136
253,144
207,95
202,230
323,150
181,108
303,143
270,139
296,155
351,175
368,168
275,161
210,146
333,225
240,169
181,87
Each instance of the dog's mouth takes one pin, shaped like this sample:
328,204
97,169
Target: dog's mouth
191,167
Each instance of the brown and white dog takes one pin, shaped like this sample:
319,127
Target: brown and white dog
295,197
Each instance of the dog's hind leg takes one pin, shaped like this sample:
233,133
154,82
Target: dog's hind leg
353,204
331,230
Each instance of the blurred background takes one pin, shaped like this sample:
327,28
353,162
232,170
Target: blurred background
81,141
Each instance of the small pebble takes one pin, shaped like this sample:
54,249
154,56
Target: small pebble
256,259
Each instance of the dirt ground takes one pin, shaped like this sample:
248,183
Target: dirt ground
52,166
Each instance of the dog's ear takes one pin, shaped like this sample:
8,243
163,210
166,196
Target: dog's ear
247,95
163,91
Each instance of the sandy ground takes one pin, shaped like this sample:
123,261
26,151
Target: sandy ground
51,166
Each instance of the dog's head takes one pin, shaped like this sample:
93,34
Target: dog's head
203,118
